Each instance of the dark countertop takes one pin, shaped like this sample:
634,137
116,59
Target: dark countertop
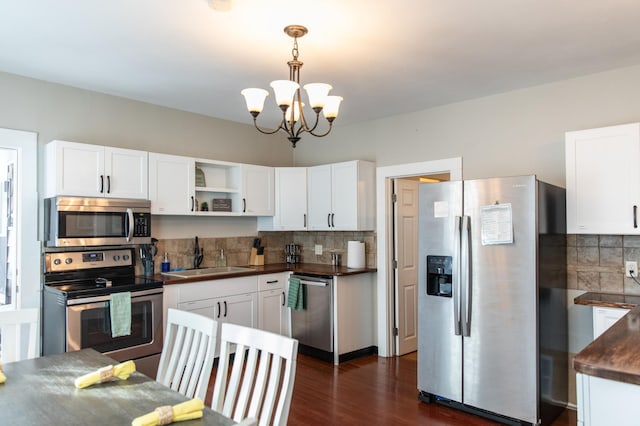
307,268
614,354
624,301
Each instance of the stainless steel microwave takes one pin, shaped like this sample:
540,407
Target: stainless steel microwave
86,221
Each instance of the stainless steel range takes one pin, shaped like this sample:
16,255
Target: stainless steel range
77,306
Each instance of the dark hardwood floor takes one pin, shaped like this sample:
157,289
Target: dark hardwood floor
370,391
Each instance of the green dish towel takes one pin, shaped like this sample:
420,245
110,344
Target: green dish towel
295,300
120,312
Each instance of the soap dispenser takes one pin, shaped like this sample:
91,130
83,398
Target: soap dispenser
165,265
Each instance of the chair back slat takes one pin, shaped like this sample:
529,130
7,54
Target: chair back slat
187,354
18,334
261,381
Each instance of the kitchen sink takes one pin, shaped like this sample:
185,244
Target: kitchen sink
188,273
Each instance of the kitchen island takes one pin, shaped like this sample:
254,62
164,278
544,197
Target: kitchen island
608,379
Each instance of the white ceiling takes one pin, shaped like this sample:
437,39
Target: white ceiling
384,57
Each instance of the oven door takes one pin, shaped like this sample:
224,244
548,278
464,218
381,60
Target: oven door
89,326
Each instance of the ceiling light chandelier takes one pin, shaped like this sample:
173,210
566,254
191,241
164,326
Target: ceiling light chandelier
288,98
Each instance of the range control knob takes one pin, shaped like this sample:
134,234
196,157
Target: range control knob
68,261
116,257
57,261
125,257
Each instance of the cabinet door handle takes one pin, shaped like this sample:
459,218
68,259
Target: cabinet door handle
244,205
329,220
304,220
108,184
219,310
225,308
101,184
192,203
333,225
283,298
635,216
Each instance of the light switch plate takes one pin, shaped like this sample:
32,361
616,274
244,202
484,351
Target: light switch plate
318,249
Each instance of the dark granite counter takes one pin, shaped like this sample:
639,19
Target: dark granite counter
614,354
305,268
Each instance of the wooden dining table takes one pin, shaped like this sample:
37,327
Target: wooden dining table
41,391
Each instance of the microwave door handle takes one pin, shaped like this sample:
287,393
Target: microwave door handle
129,224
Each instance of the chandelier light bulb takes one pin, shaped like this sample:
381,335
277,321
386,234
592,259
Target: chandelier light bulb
331,107
317,92
254,98
284,91
296,112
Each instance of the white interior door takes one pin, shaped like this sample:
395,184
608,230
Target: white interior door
406,255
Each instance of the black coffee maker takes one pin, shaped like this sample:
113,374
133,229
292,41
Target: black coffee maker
439,277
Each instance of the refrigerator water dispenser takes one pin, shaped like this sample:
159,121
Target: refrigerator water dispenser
439,276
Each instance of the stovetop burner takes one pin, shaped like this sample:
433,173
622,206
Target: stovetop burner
93,273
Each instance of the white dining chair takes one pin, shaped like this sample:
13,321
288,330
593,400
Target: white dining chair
187,353
13,340
260,384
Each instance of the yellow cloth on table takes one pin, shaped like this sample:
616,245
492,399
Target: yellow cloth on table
184,411
121,371
3,378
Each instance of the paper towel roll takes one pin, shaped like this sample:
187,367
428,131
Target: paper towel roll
355,254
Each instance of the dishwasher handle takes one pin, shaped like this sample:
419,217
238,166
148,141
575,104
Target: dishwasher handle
315,283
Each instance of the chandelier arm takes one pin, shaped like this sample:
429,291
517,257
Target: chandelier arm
266,132
323,134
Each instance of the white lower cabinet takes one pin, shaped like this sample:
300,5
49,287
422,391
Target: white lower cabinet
603,402
354,319
232,300
257,301
273,314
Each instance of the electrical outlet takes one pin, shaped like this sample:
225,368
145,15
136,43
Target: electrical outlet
631,266
318,249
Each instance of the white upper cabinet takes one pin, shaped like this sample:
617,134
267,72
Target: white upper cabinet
171,184
603,180
341,196
257,196
84,170
290,201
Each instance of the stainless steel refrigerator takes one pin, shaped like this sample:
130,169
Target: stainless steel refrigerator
492,328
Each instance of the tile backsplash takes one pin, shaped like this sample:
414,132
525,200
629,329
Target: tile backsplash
237,249
596,263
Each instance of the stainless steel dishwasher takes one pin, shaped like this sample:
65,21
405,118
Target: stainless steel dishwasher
313,325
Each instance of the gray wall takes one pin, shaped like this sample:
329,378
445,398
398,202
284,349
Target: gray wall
514,133
61,112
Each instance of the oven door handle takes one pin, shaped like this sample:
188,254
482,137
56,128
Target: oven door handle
107,297
129,226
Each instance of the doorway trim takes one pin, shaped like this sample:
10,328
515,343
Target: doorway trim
384,229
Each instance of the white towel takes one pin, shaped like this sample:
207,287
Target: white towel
120,311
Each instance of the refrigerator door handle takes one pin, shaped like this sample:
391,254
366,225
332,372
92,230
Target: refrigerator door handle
457,327
466,268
